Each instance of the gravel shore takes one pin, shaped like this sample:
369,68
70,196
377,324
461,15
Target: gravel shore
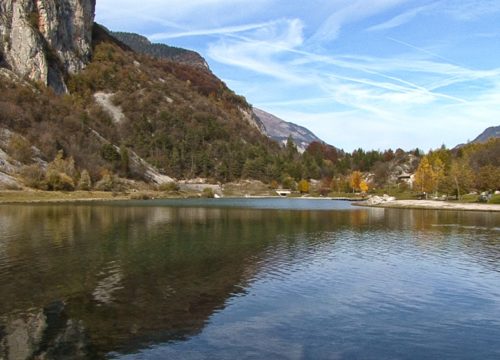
434,205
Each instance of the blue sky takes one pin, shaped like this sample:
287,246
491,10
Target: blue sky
374,74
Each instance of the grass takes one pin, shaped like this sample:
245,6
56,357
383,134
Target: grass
57,196
495,199
469,199
251,188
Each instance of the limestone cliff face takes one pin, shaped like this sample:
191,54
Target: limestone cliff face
44,40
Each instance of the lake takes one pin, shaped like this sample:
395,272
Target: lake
247,279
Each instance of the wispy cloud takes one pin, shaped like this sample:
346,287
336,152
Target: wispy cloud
402,18
470,10
215,31
363,86
349,12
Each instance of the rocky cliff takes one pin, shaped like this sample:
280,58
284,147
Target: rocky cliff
279,130
44,40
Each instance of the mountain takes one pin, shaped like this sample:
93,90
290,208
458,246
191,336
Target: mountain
142,45
125,117
275,128
489,133
45,41
279,130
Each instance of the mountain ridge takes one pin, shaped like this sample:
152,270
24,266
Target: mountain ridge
491,132
142,45
280,130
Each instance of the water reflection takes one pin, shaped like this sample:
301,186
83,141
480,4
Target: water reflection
94,279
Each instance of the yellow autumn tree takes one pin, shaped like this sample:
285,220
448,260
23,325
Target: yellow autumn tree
425,178
439,173
303,186
355,180
363,186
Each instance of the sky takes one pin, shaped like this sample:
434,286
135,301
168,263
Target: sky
374,74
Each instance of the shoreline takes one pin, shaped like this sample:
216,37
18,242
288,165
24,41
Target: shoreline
434,205
78,197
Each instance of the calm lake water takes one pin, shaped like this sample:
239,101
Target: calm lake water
247,279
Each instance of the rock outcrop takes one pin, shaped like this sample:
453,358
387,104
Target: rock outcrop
279,130
44,40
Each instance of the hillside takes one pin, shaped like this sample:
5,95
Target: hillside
489,133
142,45
274,127
127,116
280,130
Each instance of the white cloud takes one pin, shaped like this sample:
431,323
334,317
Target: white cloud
215,31
256,51
349,12
402,94
470,10
401,19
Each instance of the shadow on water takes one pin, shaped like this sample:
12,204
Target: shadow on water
80,281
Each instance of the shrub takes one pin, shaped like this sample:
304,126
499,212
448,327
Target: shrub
34,176
20,149
495,199
107,183
85,182
109,153
61,165
59,181
169,187
142,196
208,193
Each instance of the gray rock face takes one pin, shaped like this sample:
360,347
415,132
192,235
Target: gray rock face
489,133
44,40
279,130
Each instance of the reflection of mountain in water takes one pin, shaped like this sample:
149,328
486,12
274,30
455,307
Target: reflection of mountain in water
135,276
129,277
48,334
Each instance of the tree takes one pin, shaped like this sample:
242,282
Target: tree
60,173
363,186
85,183
438,169
488,178
304,186
425,177
355,180
124,161
460,177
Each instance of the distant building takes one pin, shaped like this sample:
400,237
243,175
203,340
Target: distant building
283,192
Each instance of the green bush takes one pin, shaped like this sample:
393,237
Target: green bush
109,153
495,199
208,193
169,187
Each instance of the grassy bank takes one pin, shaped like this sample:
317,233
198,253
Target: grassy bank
33,196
